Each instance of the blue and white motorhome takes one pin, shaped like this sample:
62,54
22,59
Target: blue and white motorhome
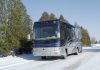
56,38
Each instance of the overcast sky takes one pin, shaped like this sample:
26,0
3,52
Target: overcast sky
85,12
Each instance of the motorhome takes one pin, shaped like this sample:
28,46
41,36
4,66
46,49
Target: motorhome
56,38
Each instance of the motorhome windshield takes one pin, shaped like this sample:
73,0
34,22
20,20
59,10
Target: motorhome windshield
46,32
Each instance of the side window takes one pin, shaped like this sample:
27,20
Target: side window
79,34
62,34
69,34
62,31
76,35
73,34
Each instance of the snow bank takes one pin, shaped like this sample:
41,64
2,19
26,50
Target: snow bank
16,60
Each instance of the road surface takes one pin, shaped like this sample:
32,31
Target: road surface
28,62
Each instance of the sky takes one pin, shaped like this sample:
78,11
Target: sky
85,12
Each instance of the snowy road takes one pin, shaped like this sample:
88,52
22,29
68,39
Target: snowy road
72,62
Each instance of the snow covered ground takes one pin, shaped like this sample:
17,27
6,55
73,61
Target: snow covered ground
94,62
89,59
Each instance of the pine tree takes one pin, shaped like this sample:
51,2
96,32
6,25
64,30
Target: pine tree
85,37
20,24
99,42
16,26
63,19
52,17
45,16
3,21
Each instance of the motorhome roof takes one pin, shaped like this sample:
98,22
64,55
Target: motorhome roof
57,21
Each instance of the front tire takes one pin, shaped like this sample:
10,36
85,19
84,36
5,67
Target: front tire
43,57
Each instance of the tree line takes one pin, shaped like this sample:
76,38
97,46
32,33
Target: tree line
45,16
15,25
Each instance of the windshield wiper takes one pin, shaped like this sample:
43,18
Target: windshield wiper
47,38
